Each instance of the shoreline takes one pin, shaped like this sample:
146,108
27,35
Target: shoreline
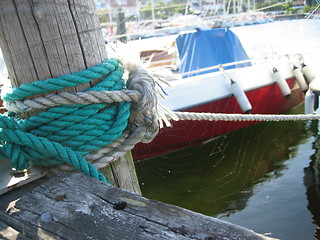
290,16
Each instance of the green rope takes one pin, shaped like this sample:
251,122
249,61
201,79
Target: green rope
55,84
66,133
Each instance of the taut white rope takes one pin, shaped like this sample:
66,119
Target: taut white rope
245,117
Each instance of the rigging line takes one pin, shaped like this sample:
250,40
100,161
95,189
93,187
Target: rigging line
312,12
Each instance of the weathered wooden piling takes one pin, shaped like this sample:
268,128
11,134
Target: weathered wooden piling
42,39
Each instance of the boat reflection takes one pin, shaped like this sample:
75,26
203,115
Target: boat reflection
312,179
218,177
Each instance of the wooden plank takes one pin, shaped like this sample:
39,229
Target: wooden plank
74,206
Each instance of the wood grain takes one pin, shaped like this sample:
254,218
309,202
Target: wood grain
74,206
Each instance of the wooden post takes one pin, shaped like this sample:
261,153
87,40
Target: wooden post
41,39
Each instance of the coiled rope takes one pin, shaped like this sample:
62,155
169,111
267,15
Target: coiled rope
76,131
89,129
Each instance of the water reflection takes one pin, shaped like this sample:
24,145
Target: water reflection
312,179
218,177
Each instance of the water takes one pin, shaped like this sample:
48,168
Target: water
265,177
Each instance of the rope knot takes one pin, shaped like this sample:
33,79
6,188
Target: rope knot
144,112
96,125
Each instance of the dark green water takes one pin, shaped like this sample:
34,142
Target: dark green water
265,177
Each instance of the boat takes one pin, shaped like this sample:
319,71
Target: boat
217,76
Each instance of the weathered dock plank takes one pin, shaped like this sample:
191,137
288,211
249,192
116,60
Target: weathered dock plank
74,206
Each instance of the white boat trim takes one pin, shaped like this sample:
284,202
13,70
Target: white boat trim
188,92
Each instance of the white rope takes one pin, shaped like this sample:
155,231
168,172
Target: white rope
244,117
67,98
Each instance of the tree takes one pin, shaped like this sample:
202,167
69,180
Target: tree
311,3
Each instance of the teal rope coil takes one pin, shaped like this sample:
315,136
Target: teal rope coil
66,133
55,84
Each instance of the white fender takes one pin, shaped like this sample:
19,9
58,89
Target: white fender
315,84
241,97
307,72
309,102
282,83
300,79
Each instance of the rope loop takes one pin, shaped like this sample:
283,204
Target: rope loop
82,125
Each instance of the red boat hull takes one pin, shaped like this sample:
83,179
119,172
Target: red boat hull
268,100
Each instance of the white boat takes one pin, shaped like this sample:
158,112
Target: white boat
217,76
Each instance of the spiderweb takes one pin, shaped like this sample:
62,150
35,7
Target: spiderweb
264,177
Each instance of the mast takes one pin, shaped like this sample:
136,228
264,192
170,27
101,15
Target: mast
152,10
